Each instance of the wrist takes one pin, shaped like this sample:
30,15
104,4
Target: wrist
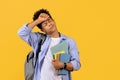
37,22
65,66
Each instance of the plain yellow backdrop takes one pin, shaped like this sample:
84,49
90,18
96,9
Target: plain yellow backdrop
94,25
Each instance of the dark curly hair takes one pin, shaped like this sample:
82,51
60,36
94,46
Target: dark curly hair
37,13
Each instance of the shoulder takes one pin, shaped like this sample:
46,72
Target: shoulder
38,34
70,40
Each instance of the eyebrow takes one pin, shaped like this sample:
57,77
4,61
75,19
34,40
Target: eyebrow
46,20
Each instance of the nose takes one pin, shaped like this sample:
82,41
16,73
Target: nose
48,24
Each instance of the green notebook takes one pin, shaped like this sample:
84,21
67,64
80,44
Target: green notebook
60,48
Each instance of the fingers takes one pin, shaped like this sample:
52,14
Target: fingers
43,15
53,60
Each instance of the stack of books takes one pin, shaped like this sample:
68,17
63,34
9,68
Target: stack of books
60,52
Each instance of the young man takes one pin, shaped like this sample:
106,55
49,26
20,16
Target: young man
46,66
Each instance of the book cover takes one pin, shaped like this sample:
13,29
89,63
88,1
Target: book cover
60,48
63,58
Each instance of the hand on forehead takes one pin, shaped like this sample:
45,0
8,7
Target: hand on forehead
44,15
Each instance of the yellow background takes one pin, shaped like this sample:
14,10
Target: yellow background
94,24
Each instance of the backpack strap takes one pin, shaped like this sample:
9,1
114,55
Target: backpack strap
41,41
31,53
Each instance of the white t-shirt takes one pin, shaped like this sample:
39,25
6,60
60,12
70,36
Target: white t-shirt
48,71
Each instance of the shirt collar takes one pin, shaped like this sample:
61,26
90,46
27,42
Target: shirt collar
63,37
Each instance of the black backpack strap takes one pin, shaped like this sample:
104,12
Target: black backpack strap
41,41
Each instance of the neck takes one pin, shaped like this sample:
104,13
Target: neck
55,34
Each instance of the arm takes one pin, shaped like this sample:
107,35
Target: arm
75,61
26,34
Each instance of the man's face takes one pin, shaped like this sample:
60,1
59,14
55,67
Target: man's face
48,26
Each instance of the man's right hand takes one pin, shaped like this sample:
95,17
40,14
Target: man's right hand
42,17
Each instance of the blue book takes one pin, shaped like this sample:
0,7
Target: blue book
64,58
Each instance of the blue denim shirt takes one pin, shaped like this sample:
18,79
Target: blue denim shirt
32,38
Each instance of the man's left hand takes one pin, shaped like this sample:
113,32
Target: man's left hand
57,64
